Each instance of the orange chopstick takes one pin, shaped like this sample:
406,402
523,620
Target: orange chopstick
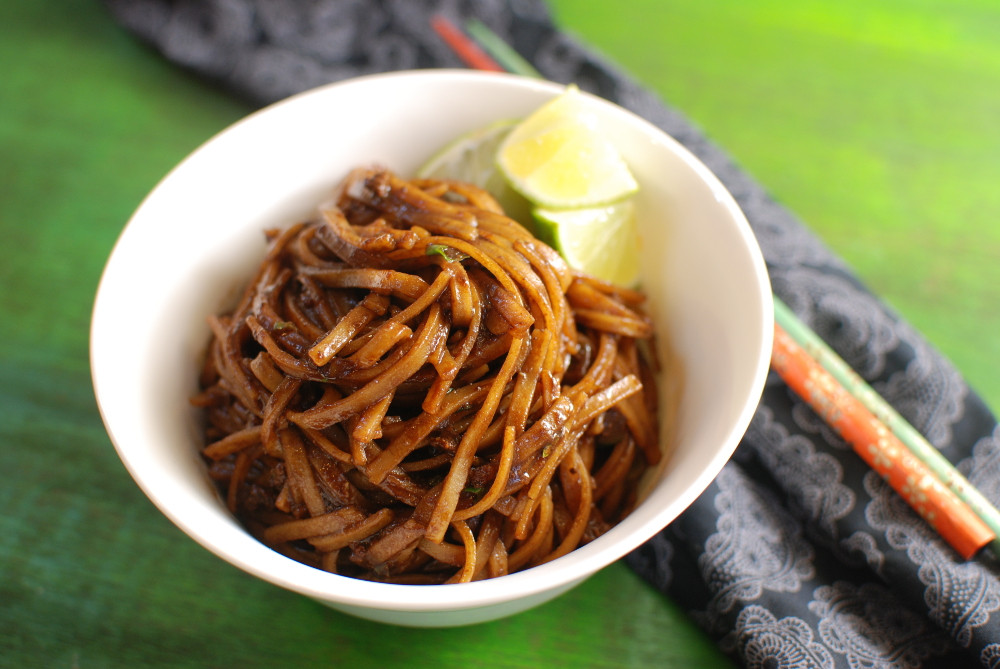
878,446
470,52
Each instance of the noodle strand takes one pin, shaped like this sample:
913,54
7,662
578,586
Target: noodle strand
414,389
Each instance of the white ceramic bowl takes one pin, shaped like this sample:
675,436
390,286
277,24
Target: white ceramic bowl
196,238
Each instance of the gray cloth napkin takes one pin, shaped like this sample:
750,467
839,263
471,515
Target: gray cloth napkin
797,555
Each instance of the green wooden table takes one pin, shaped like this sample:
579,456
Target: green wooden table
875,123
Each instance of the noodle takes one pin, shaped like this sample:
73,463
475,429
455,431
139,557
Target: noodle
413,389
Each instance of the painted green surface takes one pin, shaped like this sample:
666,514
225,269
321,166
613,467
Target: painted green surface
875,124
91,575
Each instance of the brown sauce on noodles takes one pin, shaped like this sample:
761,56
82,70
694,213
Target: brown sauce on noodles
414,389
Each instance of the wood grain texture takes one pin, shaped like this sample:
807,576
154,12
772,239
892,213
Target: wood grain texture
91,575
876,125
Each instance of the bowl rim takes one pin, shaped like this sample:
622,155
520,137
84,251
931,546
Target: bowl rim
565,571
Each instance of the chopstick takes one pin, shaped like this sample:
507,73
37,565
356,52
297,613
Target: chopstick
882,411
508,59
916,470
872,440
470,52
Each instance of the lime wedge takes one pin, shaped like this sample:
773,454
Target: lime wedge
602,241
472,158
557,157
556,174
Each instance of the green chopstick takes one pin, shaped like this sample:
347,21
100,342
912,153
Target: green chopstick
501,52
899,426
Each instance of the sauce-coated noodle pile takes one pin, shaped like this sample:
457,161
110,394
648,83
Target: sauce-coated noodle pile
414,389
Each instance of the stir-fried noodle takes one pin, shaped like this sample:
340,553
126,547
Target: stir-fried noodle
414,389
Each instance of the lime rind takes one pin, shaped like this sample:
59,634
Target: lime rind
558,158
471,157
575,192
602,241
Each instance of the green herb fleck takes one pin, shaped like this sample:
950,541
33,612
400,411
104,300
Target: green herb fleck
439,249
473,489
455,198
448,253
284,325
